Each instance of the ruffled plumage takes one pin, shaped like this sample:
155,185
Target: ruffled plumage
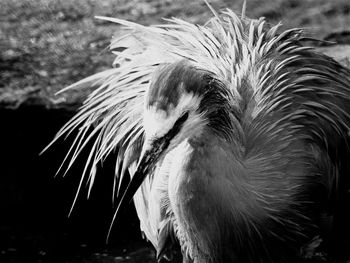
265,70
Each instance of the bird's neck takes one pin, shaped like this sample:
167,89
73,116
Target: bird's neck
208,198
221,200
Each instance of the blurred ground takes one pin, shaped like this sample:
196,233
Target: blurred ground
49,44
46,45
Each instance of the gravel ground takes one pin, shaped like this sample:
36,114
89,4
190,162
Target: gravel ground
49,44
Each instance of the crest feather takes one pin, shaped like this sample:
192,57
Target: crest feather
234,49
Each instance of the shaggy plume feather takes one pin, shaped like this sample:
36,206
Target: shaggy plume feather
266,71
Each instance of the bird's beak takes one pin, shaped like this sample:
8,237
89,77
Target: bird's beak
150,155
147,162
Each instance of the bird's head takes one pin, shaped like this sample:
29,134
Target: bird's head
173,105
182,101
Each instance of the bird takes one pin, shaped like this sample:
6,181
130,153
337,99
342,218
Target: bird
235,135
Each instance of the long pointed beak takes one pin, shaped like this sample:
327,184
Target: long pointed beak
150,155
148,160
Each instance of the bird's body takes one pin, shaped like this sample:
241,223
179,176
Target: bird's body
235,136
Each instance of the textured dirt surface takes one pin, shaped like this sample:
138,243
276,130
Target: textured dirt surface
49,44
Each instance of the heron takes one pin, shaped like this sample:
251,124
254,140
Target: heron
235,135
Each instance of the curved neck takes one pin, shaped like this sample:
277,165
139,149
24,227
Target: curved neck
221,204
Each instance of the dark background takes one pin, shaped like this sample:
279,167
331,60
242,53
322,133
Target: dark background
46,45
34,205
